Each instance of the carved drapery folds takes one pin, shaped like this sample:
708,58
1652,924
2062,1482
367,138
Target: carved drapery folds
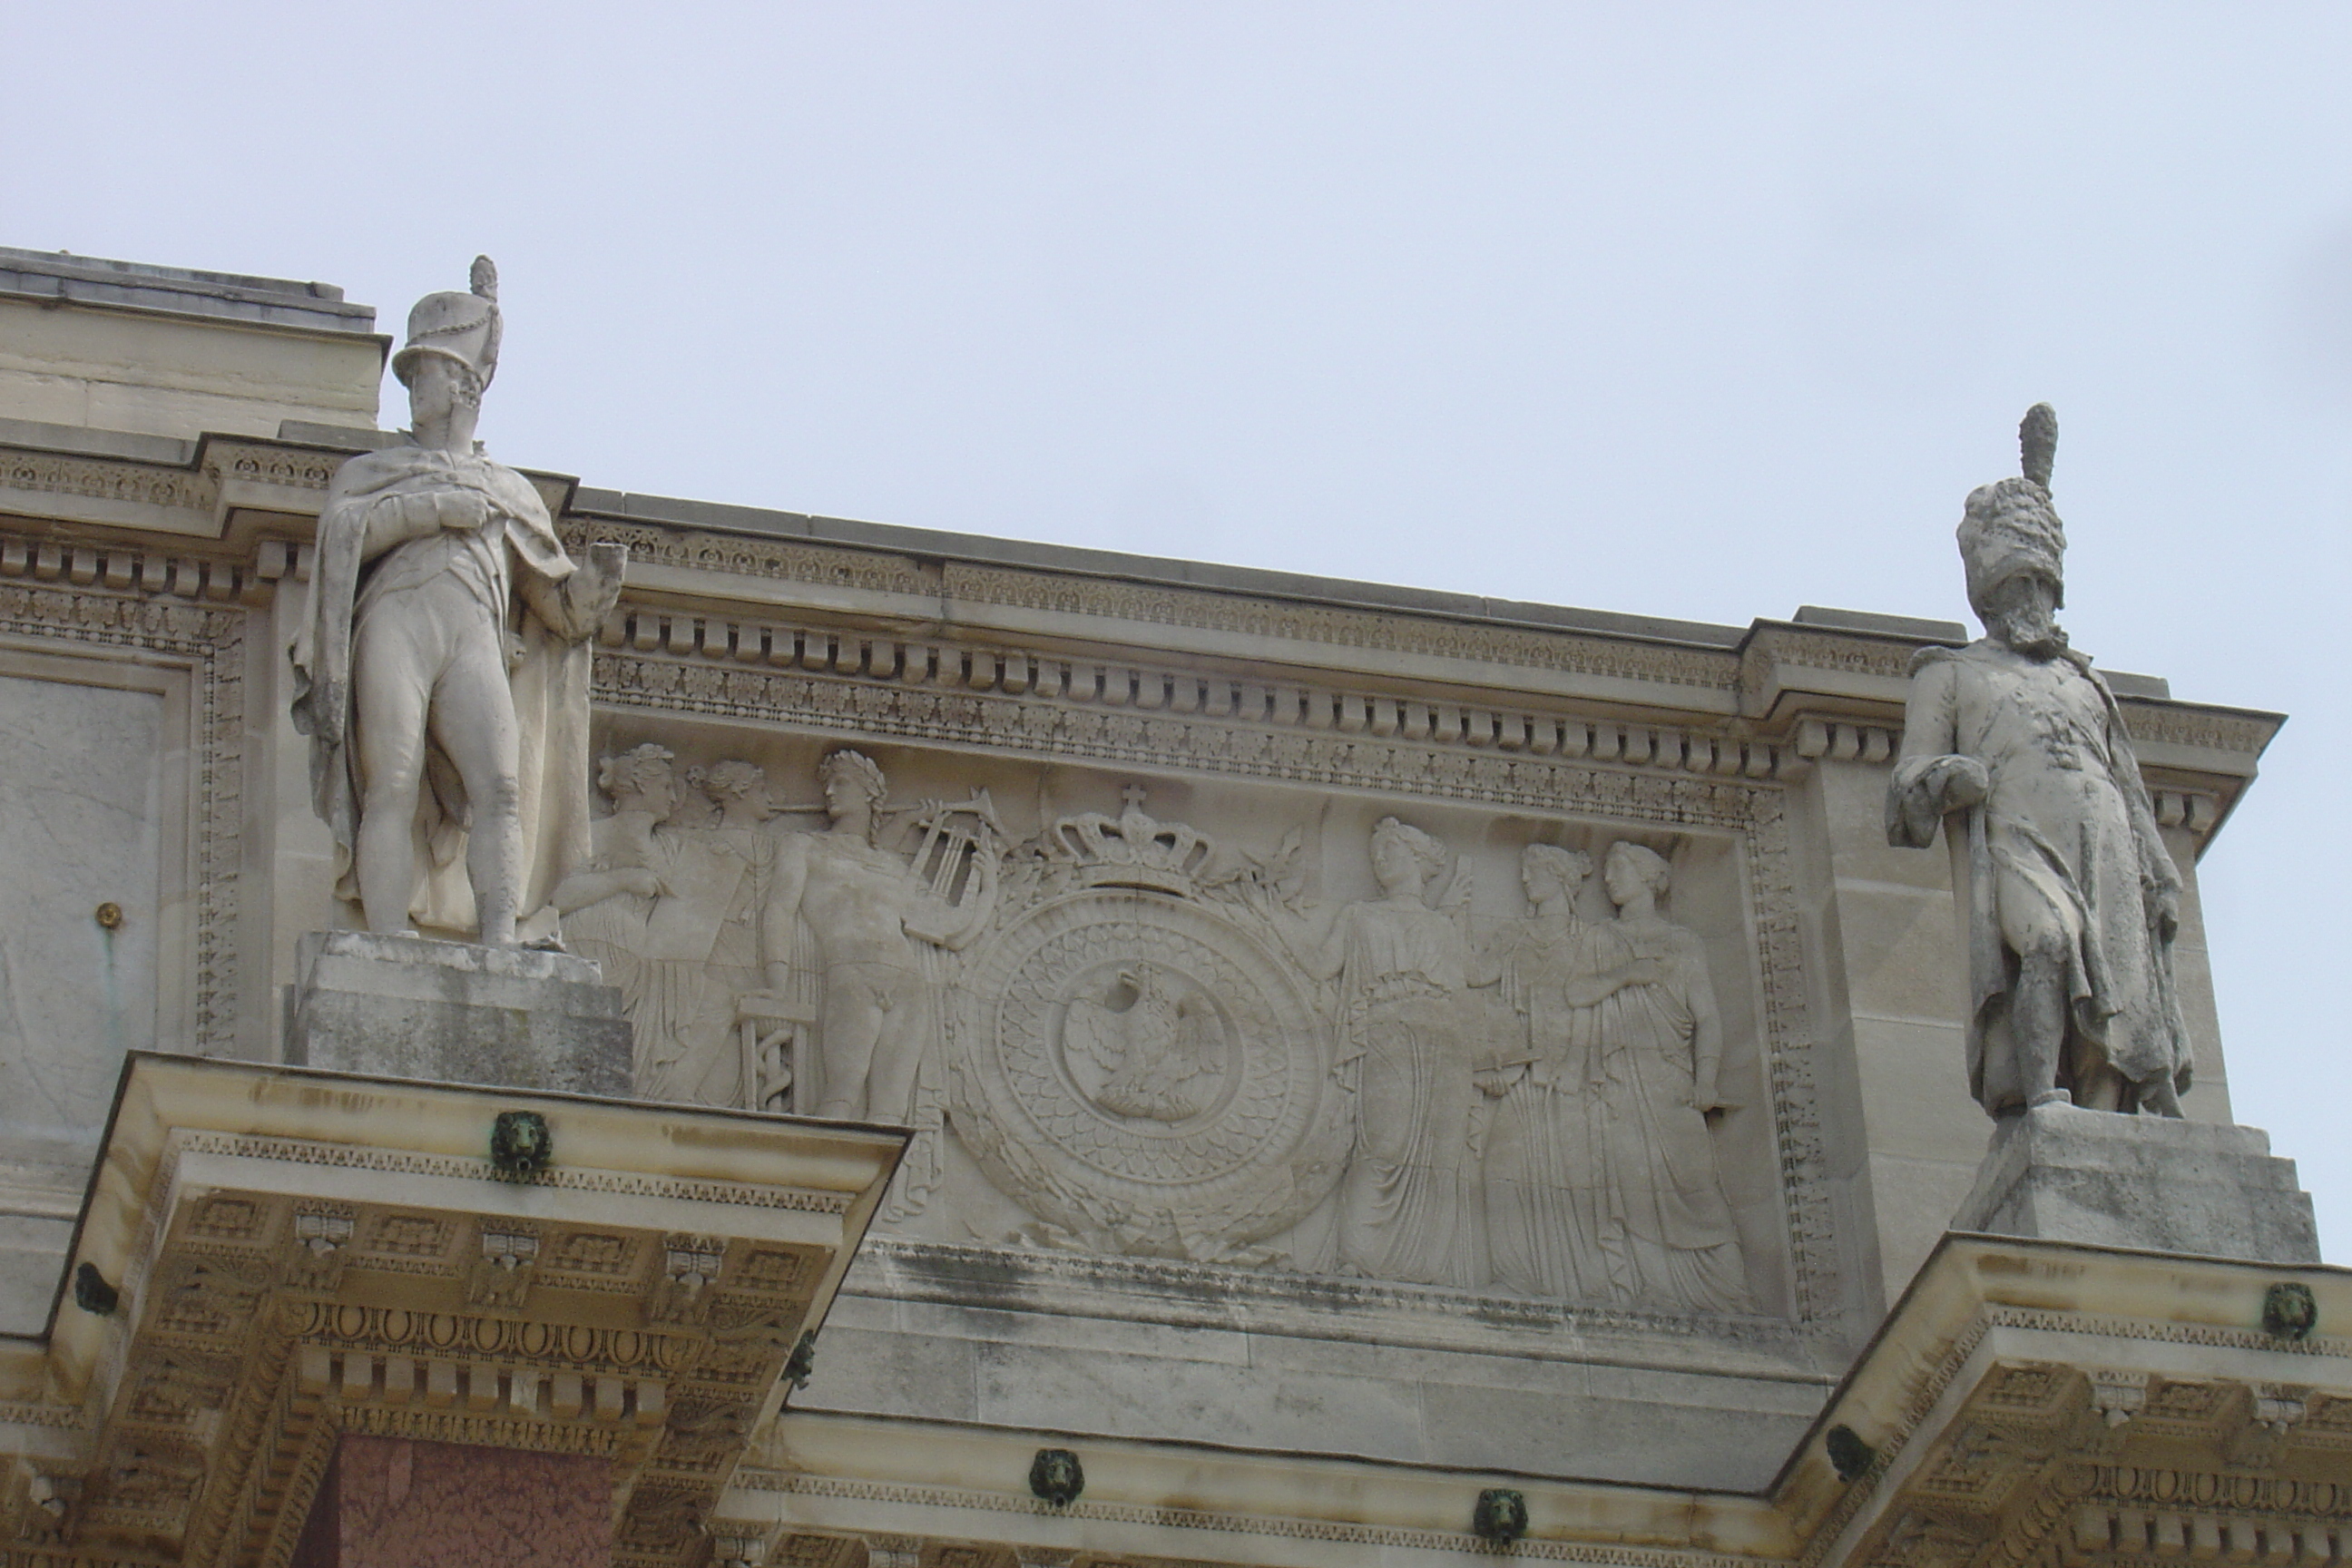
1289,1044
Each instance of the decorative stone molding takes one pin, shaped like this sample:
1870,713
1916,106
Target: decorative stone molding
1146,687
181,496
1110,598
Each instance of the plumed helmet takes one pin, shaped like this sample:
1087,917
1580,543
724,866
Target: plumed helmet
461,327
2009,528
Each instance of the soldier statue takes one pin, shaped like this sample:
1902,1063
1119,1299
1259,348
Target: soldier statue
2072,899
441,671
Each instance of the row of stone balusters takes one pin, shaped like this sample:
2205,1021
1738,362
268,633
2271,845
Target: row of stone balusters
1115,684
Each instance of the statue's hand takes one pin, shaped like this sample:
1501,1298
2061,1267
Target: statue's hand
598,587
461,511
1962,781
2163,902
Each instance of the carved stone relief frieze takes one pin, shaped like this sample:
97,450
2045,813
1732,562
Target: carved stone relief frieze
1496,1024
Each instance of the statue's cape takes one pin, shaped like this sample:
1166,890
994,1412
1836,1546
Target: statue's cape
549,680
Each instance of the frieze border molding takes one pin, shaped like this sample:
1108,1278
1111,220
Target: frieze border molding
301,1151
1755,810
211,639
1722,748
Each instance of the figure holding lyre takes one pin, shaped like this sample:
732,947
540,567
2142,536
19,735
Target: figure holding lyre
864,909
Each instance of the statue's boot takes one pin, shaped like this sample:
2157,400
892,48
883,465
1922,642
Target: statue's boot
2037,1023
2159,1097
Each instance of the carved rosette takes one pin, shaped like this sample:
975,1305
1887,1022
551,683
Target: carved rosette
1254,1132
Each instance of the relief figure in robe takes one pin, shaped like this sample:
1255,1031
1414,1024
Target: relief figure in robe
867,910
1541,1166
1408,1203
608,905
441,669
718,921
2016,743
1656,1042
681,918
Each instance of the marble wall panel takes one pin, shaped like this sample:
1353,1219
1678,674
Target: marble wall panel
81,809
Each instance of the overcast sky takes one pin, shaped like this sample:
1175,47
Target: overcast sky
1707,312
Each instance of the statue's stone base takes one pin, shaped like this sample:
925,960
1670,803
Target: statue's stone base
2061,1173
451,1012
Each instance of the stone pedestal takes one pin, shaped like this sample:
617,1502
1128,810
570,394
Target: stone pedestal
396,1502
451,1012
2061,1173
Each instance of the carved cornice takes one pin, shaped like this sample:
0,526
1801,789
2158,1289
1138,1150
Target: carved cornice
1441,636
748,555
2204,729
1113,599
120,482
715,661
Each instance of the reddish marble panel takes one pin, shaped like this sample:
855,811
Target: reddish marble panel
392,1502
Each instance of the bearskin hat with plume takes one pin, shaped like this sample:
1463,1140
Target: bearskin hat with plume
2010,527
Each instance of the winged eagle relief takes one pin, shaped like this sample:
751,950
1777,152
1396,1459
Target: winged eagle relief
1159,1055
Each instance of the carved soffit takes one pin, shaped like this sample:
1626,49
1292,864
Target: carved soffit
270,1258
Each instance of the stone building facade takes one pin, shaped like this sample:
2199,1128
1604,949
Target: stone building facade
1375,1059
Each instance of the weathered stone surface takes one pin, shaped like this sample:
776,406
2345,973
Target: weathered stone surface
393,1502
80,782
2061,1173
449,1012
163,350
